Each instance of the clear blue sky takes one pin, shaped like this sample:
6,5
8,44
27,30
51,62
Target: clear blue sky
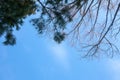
36,58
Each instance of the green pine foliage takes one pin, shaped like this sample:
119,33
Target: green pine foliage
12,13
58,37
55,14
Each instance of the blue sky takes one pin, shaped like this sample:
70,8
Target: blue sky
37,58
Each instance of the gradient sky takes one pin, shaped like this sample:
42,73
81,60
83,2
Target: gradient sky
37,58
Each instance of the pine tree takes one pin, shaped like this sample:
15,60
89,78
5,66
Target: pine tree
12,13
92,22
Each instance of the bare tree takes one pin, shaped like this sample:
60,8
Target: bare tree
93,24
90,25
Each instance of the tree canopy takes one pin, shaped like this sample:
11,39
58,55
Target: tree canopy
12,13
89,24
